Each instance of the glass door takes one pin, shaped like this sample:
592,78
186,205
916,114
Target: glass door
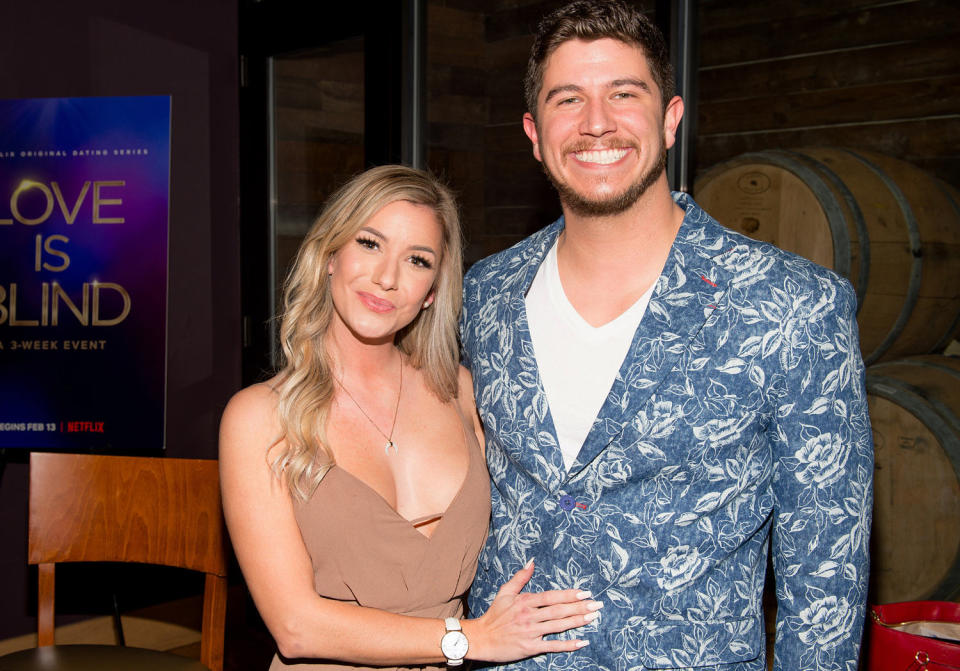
325,93
316,121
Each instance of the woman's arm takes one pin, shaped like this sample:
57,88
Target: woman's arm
278,572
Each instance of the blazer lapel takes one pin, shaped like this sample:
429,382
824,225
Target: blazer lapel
535,450
687,294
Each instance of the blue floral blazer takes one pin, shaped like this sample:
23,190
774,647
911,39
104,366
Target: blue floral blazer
739,415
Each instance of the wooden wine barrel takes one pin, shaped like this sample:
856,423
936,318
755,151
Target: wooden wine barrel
891,228
915,414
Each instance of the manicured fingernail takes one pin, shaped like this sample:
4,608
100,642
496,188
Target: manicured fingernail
590,617
529,563
585,594
582,644
595,605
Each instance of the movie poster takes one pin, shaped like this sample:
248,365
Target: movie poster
84,186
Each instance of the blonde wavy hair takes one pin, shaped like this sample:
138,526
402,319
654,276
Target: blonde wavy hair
305,383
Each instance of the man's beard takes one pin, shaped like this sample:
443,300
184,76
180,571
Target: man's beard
615,204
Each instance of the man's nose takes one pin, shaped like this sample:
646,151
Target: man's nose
597,118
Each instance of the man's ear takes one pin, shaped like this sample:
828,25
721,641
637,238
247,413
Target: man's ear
530,128
671,119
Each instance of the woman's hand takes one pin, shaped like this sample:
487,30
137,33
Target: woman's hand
515,624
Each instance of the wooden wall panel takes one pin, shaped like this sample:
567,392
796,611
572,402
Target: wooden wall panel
916,141
518,18
507,63
506,96
872,75
508,137
929,97
455,37
903,61
446,78
758,36
451,135
319,135
457,105
327,106
724,15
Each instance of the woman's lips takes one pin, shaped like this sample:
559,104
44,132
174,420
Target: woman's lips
374,303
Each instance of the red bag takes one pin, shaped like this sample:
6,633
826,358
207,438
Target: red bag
914,636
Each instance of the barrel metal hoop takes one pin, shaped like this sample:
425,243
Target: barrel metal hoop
863,235
945,412
916,263
948,335
930,414
835,217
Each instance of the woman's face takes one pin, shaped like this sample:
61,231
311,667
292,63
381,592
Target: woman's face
384,276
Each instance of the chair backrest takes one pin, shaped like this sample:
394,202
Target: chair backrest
86,508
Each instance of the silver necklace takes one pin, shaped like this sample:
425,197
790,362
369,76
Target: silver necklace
396,412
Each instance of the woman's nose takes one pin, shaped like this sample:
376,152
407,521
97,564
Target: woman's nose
385,273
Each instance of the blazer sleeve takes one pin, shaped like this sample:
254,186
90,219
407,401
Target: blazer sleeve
469,304
822,486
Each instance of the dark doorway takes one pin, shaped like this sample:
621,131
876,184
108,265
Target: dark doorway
322,97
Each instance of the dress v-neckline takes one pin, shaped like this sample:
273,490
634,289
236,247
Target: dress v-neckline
413,523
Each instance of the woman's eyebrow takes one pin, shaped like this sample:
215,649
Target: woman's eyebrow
419,248
373,231
423,248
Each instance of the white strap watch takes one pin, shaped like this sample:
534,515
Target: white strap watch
454,643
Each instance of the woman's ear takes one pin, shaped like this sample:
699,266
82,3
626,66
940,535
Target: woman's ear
429,300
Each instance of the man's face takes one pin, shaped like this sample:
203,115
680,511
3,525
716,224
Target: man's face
602,135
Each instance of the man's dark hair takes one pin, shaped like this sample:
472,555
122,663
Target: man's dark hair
592,20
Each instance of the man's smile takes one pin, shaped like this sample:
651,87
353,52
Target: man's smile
600,156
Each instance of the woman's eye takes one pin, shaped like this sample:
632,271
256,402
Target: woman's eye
421,262
368,243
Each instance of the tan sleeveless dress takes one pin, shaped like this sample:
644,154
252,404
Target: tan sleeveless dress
364,552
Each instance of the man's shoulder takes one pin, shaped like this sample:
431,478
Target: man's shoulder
498,267
747,257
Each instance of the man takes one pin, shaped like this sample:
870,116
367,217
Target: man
661,396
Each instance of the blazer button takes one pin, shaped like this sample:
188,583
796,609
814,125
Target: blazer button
567,502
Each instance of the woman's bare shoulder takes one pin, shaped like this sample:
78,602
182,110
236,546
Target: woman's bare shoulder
265,391
251,414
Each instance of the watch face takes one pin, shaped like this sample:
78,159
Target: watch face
454,645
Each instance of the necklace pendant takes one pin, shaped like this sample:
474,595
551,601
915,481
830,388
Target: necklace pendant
386,448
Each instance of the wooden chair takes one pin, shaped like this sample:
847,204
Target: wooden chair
126,509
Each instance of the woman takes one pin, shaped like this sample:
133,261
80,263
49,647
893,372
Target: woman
354,486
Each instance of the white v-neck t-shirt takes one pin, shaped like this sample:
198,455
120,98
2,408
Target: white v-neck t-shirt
577,362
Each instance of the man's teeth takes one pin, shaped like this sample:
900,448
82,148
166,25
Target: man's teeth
602,156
